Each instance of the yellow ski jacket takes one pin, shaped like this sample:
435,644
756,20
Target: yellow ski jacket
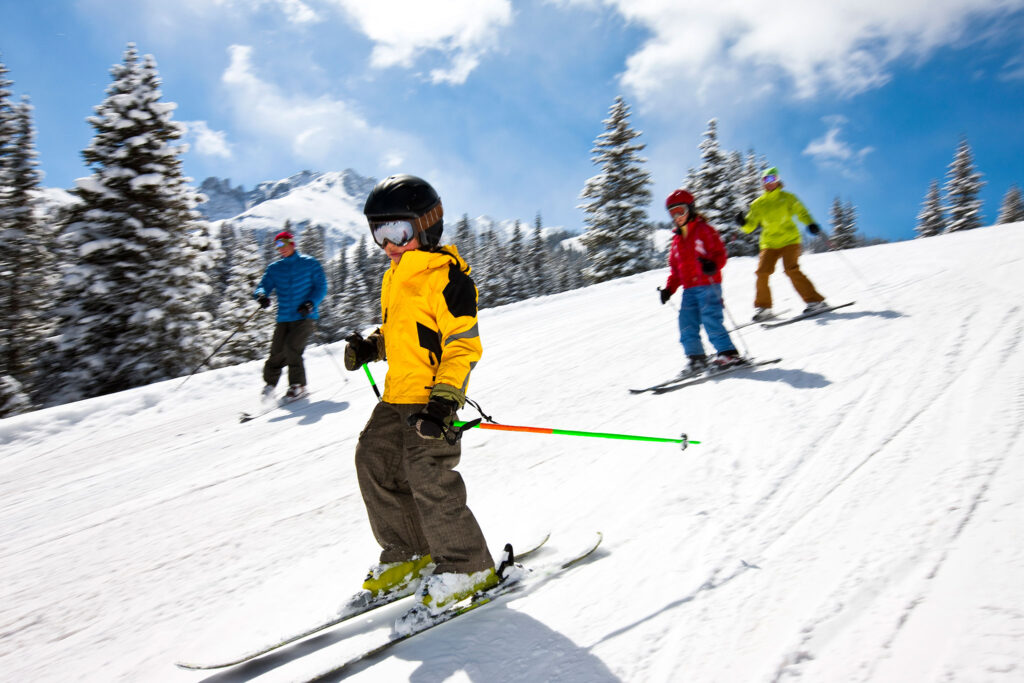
428,307
774,212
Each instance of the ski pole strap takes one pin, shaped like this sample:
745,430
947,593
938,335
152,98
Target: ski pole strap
683,441
476,405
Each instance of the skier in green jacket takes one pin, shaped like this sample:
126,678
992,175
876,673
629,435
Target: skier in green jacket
773,211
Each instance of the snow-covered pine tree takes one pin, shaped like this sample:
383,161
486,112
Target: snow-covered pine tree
931,220
617,236
1012,208
539,280
465,240
963,185
243,265
26,262
844,226
714,182
746,189
131,311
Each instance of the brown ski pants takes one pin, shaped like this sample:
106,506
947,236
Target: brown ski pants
415,499
790,255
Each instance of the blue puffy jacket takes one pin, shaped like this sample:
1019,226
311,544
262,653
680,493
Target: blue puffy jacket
297,278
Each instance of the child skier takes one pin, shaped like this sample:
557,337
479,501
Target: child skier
695,263
407,453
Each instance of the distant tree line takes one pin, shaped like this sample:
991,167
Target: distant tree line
958,205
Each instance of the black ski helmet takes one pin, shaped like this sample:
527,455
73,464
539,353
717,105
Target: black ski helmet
407,198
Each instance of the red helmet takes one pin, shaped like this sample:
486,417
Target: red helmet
679,197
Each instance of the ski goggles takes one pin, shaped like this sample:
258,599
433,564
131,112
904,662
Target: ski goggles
678,210
770,179
399,233
282,243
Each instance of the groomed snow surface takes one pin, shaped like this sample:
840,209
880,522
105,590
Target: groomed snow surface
853,513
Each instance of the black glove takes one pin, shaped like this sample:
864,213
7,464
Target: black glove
435,421
665,295
263,300
358,351
741,218
305,308
813,228
707,265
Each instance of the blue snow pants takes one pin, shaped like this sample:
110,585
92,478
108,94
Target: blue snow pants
702,305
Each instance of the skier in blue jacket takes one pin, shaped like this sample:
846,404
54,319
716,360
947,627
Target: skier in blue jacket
301,285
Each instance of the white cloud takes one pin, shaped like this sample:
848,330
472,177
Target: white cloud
314,129
802,47
208,142
403,30
830,151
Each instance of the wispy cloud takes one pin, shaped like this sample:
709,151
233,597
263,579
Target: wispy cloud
315,129
800,48
831,152
206,141
403,30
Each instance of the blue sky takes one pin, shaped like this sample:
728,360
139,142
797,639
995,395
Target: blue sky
498,103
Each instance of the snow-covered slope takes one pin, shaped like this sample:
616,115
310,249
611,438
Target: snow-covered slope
852,514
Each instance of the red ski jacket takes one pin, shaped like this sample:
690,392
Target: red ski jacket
700,241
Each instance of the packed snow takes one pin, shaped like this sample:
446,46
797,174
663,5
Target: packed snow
853,513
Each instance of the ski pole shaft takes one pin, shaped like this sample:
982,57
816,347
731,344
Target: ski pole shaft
369,376
214,352
683,441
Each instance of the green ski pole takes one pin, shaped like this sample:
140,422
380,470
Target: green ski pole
683,441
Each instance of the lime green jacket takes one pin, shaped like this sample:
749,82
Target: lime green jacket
774,212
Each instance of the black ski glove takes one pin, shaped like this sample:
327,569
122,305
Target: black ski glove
707,265
813,228
305,308
359,351
741,218
435,421
263,300
664,294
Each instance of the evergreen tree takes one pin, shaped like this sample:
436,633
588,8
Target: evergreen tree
537,266
931,220
26,263
963,185
844,226
1012,208
243,266
617,236
465,240
132,310
713,183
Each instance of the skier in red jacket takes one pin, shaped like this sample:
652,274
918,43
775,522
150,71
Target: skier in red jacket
695,263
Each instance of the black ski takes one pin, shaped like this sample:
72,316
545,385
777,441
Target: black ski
804,316
271,407
357,605
681,377
712,374
771,318
485,597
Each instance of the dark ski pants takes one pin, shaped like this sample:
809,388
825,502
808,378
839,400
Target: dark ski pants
790,256
286,348
415,499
